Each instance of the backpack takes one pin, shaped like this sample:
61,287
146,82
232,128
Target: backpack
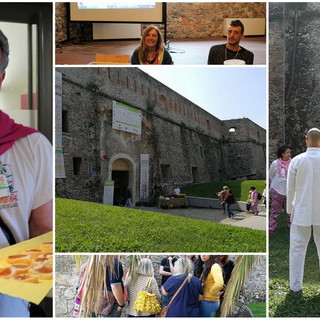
259,196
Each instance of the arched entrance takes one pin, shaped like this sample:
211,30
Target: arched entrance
120,175
122,170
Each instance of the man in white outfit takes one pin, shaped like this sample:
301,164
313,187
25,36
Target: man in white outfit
303,203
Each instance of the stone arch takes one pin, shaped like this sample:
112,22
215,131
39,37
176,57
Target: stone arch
124,167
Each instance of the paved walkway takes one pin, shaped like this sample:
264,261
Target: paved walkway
241,219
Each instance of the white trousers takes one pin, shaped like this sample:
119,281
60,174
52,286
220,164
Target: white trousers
13,307
299,239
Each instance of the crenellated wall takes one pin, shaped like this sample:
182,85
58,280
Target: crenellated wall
185,143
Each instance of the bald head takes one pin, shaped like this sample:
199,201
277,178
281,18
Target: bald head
313,138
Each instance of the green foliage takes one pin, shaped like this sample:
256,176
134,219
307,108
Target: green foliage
283,303
92,227
239,188
258,309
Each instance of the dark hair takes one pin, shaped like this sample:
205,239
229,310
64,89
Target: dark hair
237,23
4,47
282,150
253,188
204,272
224,259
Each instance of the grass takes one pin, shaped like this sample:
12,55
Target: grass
92,227
240,189
282,303
258,309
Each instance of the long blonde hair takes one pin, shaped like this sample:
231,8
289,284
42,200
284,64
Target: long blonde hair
143,49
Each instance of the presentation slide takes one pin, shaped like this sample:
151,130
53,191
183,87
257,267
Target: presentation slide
115,5
130,12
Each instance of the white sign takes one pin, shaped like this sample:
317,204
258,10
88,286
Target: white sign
126,118
60,169
144,177
108,192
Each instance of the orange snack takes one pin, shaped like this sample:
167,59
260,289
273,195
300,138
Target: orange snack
34,253
19,258
39,261
5,271
20,268
26,277
46,247
44,273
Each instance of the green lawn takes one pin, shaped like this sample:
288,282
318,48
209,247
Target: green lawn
92,227
258,309
282,303
239,188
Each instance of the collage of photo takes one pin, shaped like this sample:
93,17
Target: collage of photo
161,159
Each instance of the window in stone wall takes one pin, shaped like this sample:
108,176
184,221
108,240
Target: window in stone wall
166,173
77,166
65,121
232,131
195,174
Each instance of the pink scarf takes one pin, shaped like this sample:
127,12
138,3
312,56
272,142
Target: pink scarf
10,132
283,165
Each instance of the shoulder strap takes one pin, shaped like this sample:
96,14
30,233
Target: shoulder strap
182,284
7,232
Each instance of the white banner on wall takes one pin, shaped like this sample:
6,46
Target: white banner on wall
108,192
126,118
60,169
144,177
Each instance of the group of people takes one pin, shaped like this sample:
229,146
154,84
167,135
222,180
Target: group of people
227,200
152,49
253,200
190,286
294,188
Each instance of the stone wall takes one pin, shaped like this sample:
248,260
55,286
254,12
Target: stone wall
205,20
294,73
184,20
68,277
176,133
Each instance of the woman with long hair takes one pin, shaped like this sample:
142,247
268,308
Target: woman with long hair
278,186
151,49
137,282
186,302
211,275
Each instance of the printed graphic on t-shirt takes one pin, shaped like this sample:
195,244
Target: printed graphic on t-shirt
8,196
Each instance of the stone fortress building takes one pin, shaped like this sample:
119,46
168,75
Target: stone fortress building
175,143
294,74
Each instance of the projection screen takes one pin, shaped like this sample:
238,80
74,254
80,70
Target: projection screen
153,12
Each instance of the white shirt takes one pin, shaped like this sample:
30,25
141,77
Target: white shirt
303,186
28,171
176,191
278,182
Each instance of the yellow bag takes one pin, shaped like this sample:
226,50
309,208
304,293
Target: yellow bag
147,302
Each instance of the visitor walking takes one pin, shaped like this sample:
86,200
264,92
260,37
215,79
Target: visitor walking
229,201
278,186
222,196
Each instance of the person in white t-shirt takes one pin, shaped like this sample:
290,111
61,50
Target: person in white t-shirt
26,180
176,190
278,186
303,204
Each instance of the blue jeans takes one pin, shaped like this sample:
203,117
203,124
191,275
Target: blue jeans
208,308
230,212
